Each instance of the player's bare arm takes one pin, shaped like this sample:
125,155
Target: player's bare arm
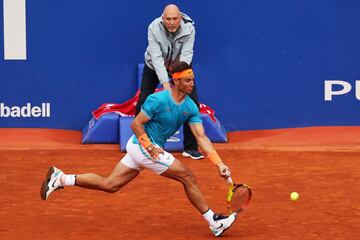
138,128
198,130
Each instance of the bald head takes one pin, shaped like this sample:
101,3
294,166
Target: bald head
171,9
172,18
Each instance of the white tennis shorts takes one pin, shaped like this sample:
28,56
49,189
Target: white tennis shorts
138,158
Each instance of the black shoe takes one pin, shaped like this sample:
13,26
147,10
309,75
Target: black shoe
194,154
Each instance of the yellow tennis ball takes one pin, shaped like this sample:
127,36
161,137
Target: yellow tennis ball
294,196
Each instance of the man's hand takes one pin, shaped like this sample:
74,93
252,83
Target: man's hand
223,170
154,152
166,86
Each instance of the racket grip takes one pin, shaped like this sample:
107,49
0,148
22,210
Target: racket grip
229,180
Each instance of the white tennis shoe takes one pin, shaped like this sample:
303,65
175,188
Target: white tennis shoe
222,223
51,182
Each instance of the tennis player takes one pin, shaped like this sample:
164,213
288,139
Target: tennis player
161,116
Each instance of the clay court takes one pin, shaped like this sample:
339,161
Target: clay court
322,164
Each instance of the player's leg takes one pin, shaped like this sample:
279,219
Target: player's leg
120,176
149,83
181,173
218,223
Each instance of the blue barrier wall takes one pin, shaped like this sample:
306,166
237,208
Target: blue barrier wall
259,64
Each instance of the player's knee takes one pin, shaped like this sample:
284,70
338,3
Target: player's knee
188,178
110,189
110,186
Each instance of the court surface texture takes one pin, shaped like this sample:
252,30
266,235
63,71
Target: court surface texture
322,164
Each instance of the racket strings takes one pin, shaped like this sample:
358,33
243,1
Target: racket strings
239,199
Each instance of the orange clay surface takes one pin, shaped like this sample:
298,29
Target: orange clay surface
322,164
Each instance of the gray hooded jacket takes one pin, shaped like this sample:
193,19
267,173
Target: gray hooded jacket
164,50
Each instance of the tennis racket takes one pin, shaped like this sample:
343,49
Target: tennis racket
238,197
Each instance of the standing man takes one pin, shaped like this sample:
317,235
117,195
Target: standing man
161,116
171,39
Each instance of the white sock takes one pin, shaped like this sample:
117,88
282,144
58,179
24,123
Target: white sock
68,179
208,215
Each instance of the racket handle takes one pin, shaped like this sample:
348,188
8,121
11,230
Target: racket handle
229,180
